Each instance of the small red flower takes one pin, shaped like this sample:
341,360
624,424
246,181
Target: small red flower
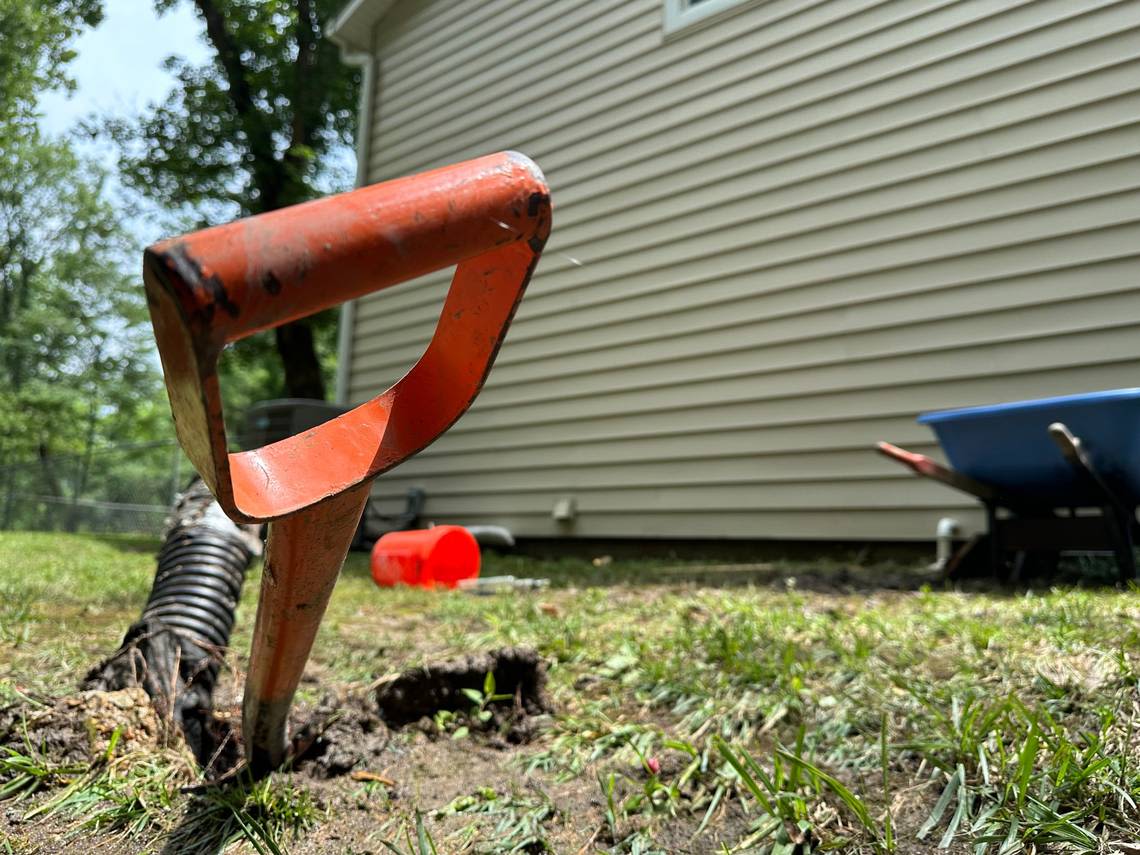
653,764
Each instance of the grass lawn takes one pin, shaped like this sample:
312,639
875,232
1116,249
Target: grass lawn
783,710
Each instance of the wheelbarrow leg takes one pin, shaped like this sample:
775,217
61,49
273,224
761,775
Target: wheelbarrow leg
997,551
1119,513
304,555
1119,526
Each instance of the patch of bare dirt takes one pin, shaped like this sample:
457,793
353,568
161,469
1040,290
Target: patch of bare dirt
79,728
370,776
519,697
343,734
370,781
434,776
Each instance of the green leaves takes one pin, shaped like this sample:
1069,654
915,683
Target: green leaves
75,371
261,126
34,53
253,129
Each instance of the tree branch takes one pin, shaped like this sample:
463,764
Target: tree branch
266,167
308,33
229,56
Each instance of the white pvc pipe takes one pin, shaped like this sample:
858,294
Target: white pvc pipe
948,528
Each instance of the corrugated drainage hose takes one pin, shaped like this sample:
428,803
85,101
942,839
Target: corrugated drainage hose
198,583
176,647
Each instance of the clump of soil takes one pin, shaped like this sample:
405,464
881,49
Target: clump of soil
343,734
79,728
176,671
519,676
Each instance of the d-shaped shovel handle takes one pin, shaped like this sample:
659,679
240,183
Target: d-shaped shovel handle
490,217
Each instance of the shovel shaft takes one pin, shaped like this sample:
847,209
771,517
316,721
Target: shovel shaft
303,557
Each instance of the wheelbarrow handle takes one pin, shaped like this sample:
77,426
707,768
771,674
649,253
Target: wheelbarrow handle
489,216
927,467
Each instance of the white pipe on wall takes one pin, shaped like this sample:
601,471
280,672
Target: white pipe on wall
948,528
347,319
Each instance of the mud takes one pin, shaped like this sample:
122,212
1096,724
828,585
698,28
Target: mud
174,671
342,735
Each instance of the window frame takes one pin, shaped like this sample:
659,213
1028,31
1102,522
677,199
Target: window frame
681,15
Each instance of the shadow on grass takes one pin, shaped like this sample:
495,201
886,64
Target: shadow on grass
200,832
128,543
826,575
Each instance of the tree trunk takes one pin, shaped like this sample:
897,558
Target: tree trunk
50,484
298,355
71,521
9,497
175,649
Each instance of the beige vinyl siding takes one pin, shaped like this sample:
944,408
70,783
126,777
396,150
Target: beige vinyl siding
777,238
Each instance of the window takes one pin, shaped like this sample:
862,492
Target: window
681,14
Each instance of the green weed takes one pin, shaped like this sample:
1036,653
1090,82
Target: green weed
422,845
265,814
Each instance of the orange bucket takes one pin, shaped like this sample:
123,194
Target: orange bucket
441,556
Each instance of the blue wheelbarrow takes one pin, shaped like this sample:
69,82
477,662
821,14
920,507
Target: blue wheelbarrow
1039,468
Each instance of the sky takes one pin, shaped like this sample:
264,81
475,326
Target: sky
119,64
118,71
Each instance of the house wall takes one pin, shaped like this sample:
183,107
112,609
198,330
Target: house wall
777,238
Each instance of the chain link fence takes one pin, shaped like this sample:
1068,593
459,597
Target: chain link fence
129,488
124,488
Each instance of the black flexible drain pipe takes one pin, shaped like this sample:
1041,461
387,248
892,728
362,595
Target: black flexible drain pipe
198,583
176,647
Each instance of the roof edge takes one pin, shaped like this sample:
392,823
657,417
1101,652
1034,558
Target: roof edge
351,29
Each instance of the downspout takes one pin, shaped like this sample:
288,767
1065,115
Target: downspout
363,138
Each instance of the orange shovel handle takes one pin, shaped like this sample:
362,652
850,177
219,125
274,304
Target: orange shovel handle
490,217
